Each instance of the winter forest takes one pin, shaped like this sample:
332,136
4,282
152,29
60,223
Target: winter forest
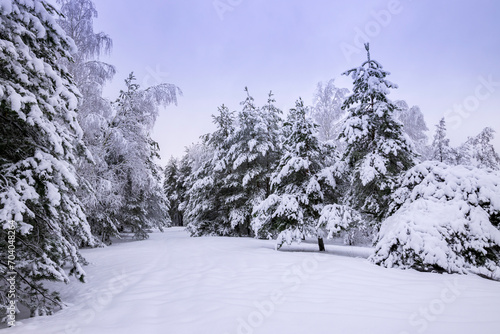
354,180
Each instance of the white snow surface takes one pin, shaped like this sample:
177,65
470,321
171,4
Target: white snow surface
175,284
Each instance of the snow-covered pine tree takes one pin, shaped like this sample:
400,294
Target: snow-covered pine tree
99,189
441,150
272,118
173,185
40,142
133,156
298,185
206,209
443,218
327,109
377,149
196,155
253,154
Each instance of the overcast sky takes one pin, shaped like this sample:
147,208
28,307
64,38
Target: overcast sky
444,55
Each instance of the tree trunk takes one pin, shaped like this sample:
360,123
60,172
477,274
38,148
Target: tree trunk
321,245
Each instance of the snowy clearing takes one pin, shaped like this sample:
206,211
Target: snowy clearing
175,284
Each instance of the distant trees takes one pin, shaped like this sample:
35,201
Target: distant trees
414,126
479,151
476,151
441,150
174,189
327,109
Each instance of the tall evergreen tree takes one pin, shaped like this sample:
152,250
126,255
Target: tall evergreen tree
221,193
173,186
441,150
298,185
207,212
41,141
377,149
253,153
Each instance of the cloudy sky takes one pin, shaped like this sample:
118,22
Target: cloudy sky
444,55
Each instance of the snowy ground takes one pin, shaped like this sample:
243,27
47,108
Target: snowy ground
178,285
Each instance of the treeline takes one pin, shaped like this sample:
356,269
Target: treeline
343,166
76,169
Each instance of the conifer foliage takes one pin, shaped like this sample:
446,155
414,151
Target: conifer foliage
237,176
441,150
206,211
251,157
174,189
300,185
41,142
377,149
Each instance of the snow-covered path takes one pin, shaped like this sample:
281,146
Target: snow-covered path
179,285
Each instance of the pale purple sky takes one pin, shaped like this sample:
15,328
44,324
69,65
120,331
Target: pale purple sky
442,54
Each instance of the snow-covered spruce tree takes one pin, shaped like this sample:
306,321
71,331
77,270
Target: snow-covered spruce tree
173,185
98,190
443,218
440,147
196,155
40,142
274,124
299,185
133,156
327,109
377,149
205,208
414,126
254,153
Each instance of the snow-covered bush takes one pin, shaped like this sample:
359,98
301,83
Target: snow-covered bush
443,218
